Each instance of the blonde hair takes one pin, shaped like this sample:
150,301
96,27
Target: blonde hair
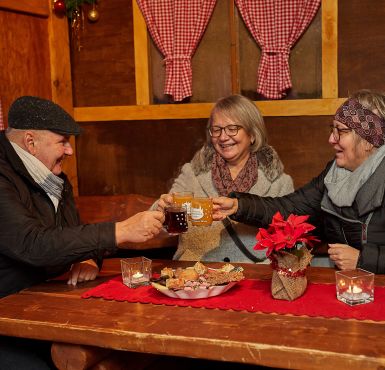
372,100
244,113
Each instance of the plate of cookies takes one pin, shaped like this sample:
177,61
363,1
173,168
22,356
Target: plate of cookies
198,281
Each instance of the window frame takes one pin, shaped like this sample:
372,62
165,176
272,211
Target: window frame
143,110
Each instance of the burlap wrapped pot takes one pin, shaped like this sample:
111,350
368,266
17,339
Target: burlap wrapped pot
289,274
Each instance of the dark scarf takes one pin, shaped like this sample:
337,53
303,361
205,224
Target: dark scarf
222,180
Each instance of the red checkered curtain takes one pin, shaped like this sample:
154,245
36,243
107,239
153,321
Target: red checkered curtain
2,126
276,25
176,26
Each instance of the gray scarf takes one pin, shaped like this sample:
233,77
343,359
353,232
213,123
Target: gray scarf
343,185
50,183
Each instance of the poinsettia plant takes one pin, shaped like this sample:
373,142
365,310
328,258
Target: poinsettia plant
286,235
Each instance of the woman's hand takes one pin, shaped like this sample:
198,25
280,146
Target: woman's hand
344,256
223,207
165,200
83,271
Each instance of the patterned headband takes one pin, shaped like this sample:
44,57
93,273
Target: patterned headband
363,121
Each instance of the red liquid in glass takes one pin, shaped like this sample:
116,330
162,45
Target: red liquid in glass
175,220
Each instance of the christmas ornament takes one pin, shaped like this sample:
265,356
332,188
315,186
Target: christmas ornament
93,14
74,11
59,7
76,5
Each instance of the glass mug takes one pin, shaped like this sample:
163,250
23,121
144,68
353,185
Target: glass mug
201,211
175,220
183,199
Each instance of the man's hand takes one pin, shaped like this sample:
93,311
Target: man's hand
83,271
344,256
223,207
139,228
165,200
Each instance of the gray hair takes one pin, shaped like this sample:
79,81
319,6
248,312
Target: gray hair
372,100
242,111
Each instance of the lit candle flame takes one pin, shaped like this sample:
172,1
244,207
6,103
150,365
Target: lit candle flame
354,289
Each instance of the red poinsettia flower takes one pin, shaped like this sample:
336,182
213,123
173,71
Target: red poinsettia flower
285,234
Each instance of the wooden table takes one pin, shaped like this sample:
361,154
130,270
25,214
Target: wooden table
54,311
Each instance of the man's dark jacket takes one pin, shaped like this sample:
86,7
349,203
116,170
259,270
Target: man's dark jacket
361,226
36,242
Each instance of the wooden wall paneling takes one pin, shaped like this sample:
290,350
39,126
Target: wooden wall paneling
361,45
141,46
249,58
103,72
35,7
144,156
329,48
211,61
306,63
234,48
61,85
24,56
305,149
137,156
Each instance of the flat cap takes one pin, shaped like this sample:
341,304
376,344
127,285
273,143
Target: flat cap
33,113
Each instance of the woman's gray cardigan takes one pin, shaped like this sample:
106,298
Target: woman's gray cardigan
213,243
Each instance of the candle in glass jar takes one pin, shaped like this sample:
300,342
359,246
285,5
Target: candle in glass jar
355,286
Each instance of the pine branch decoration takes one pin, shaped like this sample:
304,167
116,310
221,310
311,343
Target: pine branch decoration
73,5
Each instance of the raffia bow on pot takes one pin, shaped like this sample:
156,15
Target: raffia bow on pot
286,242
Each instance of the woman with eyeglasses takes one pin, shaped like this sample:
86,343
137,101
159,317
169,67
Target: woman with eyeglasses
236,157
347,200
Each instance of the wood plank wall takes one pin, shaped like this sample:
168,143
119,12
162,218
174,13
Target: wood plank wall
24,56
34,58
142,156
103,71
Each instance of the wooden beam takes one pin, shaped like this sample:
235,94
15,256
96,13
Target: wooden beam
35,7
329,49
142,80
61,85
309,107
234,49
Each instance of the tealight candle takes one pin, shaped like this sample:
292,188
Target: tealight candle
137,275
354,289
355,286
136,271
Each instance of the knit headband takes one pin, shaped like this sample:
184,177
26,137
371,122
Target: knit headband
363,121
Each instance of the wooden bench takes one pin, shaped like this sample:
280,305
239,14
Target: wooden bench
102,208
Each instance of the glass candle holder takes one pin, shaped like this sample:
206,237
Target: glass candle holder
136,271
355,286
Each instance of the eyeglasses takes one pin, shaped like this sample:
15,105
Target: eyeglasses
230,130
337,132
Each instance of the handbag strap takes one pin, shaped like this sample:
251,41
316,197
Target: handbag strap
238,242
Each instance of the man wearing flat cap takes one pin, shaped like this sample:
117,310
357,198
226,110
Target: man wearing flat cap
40,232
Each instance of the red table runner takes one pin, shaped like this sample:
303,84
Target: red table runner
253,296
